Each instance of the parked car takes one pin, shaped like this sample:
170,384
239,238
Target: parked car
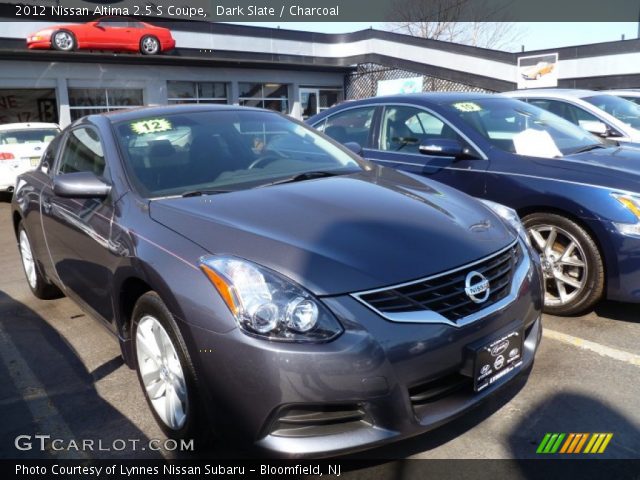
21,146
299,296
578,198
537,71
107,33
600,113
632,95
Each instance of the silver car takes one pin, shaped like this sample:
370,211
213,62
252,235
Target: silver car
601,113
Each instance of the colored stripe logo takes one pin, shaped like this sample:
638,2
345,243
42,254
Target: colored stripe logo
574,443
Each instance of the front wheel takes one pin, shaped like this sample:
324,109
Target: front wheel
164,368
63,40
571,263
149,45
38,284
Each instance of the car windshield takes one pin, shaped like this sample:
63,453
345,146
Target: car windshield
31,135
516,127
186,153
624,110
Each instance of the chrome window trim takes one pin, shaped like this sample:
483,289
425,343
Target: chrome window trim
429,316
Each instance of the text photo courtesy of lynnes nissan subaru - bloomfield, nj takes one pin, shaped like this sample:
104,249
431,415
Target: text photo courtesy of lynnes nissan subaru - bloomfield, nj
284,240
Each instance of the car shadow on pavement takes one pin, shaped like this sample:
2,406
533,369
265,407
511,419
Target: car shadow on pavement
624,312
46,390
574,412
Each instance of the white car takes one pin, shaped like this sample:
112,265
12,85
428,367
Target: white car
601,113
633,95
21,146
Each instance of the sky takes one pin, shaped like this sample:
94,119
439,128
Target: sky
534,36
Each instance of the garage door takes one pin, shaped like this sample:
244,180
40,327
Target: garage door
18,105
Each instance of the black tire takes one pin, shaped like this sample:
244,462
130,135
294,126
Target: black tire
195,426
68,45
146,43
591,277
42,288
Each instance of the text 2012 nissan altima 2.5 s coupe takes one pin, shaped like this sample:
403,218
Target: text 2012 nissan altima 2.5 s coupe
266,282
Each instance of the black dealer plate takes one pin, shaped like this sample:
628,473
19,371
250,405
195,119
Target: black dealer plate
494,360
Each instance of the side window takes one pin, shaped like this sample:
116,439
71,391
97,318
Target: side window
49,155
353,125
405,128
82,152
569,112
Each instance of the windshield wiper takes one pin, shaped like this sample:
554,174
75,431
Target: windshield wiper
588,148
304,176
198,193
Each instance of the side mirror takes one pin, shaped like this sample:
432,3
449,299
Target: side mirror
355,147
445,147
80,185
595,127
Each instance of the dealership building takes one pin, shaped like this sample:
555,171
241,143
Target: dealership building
294,72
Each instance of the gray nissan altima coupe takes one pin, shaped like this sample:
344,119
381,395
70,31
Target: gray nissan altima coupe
267,283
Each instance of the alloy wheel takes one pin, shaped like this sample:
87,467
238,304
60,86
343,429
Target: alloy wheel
63,40
27,260
150,45
161,372
564,264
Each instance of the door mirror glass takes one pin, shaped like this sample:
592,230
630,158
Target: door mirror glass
80,185
444,147
595,127
355,147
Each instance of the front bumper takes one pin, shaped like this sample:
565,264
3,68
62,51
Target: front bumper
355,392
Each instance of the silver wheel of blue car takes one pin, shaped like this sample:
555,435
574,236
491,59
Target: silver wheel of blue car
563,263
161,372
571,263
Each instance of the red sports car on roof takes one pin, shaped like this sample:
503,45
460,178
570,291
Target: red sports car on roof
108,33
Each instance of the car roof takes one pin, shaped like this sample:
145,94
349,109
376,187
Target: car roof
633,92
146,112
23,126
425,97
559,92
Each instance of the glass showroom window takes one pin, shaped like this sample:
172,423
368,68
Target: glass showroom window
196,92
274,96
86,101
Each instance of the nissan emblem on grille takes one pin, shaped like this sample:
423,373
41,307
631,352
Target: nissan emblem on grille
476,286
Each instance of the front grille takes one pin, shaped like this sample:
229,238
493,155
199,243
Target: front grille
445,293
316,420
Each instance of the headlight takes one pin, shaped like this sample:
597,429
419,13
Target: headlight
510,216
632,204
267,304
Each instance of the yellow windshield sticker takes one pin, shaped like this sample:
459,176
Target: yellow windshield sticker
153,125
467,107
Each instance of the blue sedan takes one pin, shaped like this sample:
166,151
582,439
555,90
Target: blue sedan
578,198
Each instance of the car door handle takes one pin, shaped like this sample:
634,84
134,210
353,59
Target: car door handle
46,205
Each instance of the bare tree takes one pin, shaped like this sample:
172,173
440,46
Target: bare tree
481,24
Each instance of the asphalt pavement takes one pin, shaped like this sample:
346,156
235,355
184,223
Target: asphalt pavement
62,375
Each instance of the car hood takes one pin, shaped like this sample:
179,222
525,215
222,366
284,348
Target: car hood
345,233
616,160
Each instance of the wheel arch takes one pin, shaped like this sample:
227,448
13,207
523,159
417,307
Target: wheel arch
17,218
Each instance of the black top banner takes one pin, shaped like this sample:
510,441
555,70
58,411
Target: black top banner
329,10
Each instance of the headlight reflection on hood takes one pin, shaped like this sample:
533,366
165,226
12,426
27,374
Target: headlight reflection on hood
267,304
